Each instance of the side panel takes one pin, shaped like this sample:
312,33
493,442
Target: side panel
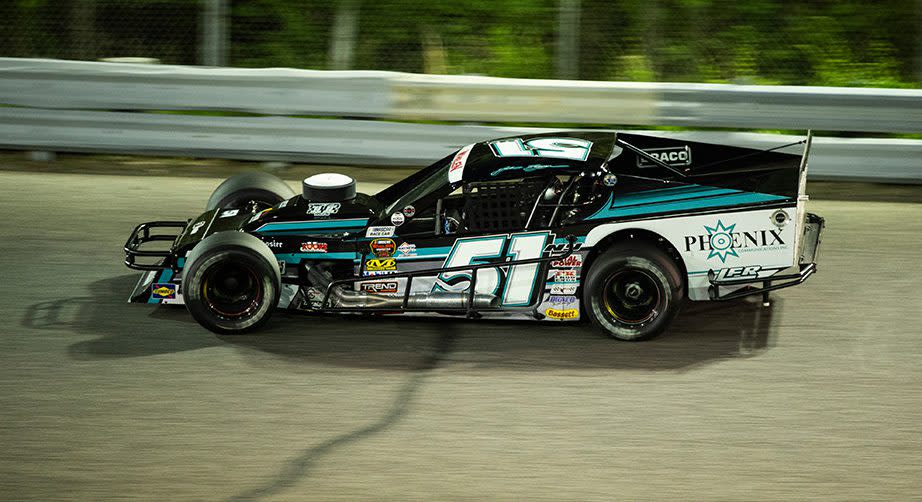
524,291
738,244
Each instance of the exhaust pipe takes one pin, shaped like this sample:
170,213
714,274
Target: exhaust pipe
347,298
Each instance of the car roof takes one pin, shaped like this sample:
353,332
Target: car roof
559,152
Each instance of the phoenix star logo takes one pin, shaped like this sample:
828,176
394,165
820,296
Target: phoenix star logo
721,241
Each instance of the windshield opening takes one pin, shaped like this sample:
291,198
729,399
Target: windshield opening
436,180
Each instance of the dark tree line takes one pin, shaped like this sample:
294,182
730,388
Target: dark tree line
812,42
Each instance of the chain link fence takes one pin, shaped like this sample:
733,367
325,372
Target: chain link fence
859,43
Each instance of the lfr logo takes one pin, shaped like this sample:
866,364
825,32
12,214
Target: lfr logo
750,272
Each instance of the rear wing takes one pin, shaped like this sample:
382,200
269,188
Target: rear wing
802,198
802,184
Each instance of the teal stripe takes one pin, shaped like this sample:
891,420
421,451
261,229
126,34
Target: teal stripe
682,205
313,225
669,197
435,251
563,240
295,258
680,190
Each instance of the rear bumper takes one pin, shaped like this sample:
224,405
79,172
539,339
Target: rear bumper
806,266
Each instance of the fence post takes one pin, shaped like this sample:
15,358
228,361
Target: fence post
567,61
213,44
342,41
82,28
919,41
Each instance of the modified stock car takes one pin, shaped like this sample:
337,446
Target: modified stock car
614,227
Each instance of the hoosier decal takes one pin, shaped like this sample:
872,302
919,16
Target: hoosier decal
163,291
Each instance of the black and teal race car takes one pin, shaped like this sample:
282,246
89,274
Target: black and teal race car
618,228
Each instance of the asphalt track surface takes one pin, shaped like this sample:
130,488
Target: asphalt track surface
817,397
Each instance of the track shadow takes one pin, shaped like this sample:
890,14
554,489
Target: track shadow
123,330
703,333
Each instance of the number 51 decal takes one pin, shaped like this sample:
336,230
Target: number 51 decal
554,148
520,280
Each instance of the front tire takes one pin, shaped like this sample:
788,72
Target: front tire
231,283
245,188
633,291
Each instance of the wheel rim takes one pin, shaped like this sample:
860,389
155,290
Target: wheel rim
232,290
631,296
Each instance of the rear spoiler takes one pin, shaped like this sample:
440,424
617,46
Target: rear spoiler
802,184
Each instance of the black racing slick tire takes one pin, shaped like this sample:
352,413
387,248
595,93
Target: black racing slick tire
231,283
633,291
256,186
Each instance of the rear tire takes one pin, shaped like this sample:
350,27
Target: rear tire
633,291
231,283
256,186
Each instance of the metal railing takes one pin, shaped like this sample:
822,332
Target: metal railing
104,107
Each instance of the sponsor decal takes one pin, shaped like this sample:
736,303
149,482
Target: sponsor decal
315,298
526,169
282,266
383,247
283,203
380,264
572,261
259,214
163,291
561,248
609,180
321,209
274,244
562,313
371,273
196,227
314,247
406,249
751,271
456,168
562,300
397,219
676,156
780,218
380,232
228,213
563,289
722,241
380,287
409,211
566,275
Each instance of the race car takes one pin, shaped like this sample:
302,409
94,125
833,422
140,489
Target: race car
616,228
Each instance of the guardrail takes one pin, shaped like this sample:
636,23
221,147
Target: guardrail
388,95
381,143
83,106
